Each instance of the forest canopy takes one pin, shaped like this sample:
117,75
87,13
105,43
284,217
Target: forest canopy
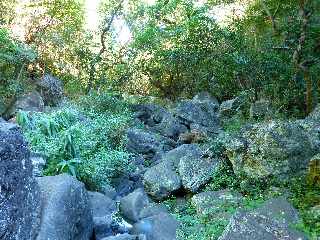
172,48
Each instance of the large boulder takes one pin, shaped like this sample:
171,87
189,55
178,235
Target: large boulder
201,110
19,192
31,102
158,227
161,180
271,221
102,210
132,205
51,89
66,211
275,148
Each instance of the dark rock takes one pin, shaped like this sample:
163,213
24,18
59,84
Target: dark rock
271,221
132,205
102,210
203,113
158,227
66,211
150,114
161,180
147,144
19,192
123,185
170,127
51,89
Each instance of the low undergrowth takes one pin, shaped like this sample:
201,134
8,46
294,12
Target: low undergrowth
85,139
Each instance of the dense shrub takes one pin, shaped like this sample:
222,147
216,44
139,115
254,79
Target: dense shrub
14,58
80,139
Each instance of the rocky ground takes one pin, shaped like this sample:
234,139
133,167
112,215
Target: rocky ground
176,152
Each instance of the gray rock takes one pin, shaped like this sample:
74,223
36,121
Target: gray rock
31,102
175,155
199,111
126,236
150,114
108,191
161,180
262,224
38,163
148,144
152,210
102,210
260,109
215,203
132,205
197,171
275,148
170,127
66,212
19,192
159,227
51,89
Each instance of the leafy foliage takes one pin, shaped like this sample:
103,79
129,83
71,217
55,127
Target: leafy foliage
14,58
86,143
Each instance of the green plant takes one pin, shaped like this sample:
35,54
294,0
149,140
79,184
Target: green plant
82,140
70,166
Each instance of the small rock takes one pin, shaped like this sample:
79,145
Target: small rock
38,163
132,205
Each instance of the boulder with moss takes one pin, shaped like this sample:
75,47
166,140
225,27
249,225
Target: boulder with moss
277,148
275,219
